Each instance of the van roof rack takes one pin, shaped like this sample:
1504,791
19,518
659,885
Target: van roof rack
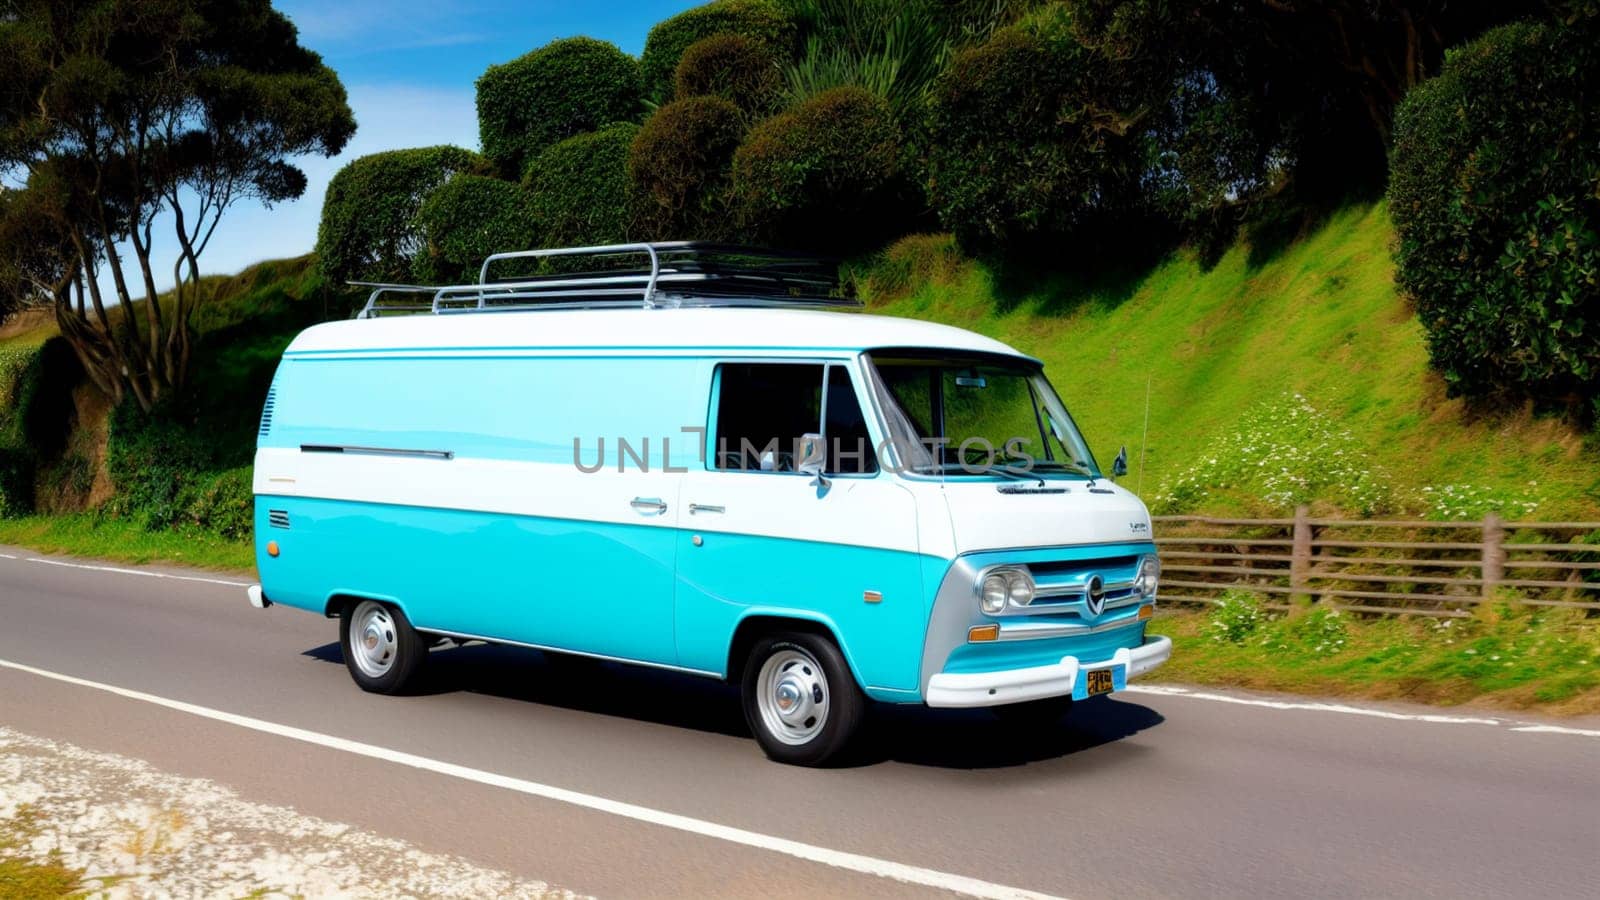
678,274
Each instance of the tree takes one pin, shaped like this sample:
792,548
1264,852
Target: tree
1494,197
679,168
1036,141
465,220
824,175
578,188
368,230
1265,96
564,88
118,116
733,67
762,21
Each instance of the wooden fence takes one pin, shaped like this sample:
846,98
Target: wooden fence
1427,568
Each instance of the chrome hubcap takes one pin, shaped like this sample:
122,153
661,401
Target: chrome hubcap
792,696
372,639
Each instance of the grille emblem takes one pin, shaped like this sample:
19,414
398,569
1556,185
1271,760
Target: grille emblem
1094,595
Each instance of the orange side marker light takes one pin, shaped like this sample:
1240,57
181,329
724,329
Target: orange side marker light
272,549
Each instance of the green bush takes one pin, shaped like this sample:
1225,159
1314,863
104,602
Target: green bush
1236,616
733,67
165,467
1281,452
1495,193
1026,142
222,504
564,88
154,461
578,188
678,169
760,20
16,482
368,230
825,174
466,219
25,412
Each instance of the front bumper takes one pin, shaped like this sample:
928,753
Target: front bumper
967,689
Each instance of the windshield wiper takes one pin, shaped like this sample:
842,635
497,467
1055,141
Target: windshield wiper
1070,467
1015,473
1011,472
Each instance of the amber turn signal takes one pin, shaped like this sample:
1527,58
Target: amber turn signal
272,549
1147,610
984,633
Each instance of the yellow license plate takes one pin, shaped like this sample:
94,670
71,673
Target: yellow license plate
1099,681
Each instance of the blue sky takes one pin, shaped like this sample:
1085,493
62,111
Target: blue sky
409,66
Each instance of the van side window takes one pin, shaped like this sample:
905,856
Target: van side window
762,411
850,449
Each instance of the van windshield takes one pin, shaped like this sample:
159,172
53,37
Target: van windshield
976,415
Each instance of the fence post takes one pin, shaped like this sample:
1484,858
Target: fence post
1493,567
1300,555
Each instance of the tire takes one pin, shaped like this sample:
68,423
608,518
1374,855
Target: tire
1034,715
381,649
827,706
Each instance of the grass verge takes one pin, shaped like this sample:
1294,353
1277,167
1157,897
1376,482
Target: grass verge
1506,655
1319,325
23,875
119,540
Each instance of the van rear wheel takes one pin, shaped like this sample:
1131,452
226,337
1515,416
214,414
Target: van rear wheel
800,699
381,649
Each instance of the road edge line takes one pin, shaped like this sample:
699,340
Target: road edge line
839,859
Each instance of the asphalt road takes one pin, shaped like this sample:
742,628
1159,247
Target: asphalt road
1152,793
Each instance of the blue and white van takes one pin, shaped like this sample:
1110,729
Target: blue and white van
701,466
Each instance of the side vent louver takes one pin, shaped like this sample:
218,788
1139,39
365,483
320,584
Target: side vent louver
278,518
266,411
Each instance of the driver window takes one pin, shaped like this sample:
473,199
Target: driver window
762,411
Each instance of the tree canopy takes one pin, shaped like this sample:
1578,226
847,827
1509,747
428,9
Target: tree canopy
369,230
114,114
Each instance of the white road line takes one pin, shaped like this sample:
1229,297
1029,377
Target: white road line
1556,729
1162,690
839,859
120,571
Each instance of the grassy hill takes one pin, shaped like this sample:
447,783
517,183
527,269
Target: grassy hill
1273,378
1303,376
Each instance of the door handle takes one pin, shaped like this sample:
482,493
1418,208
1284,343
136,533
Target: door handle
650,506
706,508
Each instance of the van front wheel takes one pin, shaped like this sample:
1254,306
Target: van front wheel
381,649
800,699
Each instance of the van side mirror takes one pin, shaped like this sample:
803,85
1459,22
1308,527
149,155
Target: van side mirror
813,455
1119,466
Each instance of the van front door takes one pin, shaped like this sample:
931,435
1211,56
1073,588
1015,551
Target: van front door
758,537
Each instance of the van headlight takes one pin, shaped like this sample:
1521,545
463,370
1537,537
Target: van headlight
1145,583
1004,586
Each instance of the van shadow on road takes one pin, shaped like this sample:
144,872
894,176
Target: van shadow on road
915,735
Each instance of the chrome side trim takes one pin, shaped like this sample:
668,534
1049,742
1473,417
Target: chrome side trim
459,635
376,451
